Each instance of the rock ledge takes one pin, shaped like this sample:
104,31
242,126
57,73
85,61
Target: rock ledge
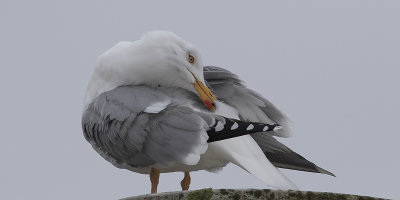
248,194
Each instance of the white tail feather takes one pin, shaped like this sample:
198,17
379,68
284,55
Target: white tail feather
245,153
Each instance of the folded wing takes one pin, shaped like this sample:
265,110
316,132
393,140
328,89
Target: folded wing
135,126
253,107
250,105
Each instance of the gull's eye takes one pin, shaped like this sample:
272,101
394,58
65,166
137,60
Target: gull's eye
190,58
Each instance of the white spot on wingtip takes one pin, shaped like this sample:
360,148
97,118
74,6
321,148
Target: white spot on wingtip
234,126
265,128
277,128
250,127
219,126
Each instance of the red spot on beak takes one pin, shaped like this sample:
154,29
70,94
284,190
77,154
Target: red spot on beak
209,104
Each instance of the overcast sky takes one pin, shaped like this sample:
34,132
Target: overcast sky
332,67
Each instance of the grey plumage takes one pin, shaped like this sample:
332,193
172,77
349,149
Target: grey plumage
137,126
118,128
230,89
251,106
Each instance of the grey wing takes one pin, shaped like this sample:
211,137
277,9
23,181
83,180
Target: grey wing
250,105
135,126
253,107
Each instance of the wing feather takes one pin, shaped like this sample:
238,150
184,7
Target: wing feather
251,106
137,126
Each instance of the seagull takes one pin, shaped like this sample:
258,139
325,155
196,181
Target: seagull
151,107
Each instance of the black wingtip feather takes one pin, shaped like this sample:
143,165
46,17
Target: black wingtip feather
294,161
235,128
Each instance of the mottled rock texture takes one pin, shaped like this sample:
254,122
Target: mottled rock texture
249,194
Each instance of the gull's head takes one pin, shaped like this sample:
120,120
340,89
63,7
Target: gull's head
159,58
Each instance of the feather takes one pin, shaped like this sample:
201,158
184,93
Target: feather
245,153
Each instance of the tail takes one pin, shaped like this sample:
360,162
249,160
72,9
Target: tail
245,153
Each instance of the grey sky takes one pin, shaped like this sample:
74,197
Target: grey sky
332,67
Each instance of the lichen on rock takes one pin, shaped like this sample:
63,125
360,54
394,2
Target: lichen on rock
203,194
249,194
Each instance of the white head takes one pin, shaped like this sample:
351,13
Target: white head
159,58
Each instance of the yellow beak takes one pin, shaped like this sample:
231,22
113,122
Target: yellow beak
205,94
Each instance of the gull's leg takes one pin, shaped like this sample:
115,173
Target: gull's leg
154,177
185,181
